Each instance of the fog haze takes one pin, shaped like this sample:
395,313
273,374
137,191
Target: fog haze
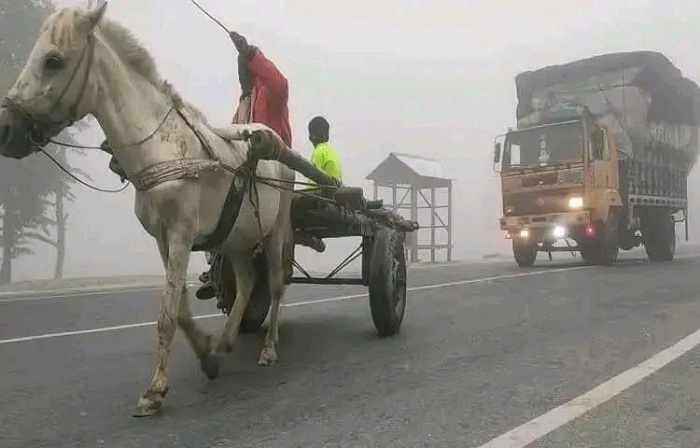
432,78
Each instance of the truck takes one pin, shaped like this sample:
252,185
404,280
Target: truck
599,159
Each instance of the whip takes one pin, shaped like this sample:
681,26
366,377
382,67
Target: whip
210,16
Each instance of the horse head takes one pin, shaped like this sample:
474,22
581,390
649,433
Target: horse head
54,87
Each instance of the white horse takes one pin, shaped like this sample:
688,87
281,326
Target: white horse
181,168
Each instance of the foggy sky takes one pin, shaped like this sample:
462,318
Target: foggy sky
423,77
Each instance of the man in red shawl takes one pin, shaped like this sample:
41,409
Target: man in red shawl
264,98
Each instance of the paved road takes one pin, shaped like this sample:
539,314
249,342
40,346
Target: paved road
476,358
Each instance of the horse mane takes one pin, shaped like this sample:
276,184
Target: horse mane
62,28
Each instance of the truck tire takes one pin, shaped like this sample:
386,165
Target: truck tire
607,248
525,254
659,233
588,254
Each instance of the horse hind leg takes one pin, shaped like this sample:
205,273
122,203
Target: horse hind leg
245,280
280,258
276,284
268,355
177,255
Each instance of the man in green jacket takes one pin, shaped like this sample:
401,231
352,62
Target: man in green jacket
323,155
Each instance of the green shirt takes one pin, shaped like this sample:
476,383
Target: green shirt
326,159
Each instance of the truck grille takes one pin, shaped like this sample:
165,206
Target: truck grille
535,202
540,179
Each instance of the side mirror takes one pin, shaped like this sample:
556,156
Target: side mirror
598,144
497,152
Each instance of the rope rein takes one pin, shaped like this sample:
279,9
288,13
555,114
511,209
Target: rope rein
93,187
77,179
127,145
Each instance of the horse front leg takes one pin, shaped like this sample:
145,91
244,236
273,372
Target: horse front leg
245,281
200,341
178,256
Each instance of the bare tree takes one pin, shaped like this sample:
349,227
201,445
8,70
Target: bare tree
62,194
23,184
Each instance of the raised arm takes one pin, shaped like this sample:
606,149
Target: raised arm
252,61
269,76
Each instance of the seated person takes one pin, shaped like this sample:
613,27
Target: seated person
323,156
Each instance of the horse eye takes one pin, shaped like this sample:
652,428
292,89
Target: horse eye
53,62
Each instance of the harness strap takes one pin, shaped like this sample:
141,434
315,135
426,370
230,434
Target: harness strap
172,170
229,214
242,177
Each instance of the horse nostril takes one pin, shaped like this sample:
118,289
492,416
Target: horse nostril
5,134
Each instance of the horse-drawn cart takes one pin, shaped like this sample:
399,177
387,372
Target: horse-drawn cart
331,210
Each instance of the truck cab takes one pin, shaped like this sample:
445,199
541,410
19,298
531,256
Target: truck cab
559,182
566,182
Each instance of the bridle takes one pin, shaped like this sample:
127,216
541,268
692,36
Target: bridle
40,125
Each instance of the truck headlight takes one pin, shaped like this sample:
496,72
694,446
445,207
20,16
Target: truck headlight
559,232
575,203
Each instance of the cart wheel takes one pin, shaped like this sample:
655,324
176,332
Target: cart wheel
260,300
387,282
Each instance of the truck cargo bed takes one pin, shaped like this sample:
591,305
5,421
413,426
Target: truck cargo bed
640,97
657,75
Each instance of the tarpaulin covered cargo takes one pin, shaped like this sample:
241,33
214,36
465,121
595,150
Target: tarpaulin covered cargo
641,96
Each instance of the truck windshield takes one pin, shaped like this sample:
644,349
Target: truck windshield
549,145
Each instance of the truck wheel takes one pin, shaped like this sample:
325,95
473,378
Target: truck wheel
588,254
607,248
525,254
659,234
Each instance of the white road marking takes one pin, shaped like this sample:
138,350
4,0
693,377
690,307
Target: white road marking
292,304
313,302
33,296
537,428
78,294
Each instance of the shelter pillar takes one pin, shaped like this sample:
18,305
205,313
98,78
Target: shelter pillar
449,222
414,217
433,212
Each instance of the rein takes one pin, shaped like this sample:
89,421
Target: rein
82,182
126,145
77,179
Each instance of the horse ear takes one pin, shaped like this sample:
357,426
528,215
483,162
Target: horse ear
93,17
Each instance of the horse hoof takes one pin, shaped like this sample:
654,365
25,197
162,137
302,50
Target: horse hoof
145,411
210,365
267,358
146,408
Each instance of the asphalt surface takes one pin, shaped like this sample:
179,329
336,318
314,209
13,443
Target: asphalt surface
474,359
